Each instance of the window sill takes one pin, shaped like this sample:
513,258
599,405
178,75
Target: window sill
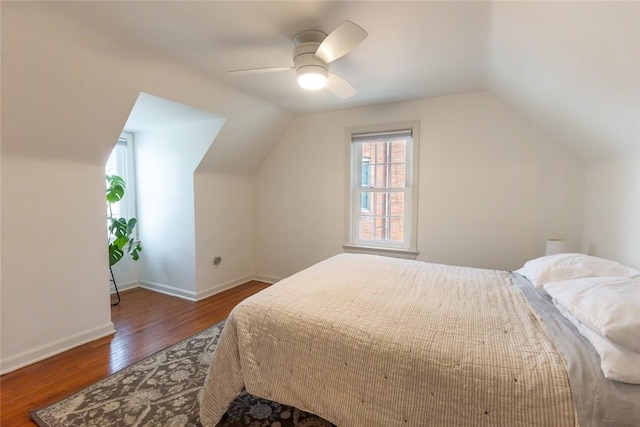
392,252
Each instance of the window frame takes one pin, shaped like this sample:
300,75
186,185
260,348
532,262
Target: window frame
353,243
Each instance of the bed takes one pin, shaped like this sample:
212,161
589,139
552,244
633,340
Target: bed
364,340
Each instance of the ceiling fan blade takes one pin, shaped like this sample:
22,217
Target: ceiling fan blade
340,87
341,40
260,70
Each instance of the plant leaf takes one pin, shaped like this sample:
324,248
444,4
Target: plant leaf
131,225
115,188
115,254
121,242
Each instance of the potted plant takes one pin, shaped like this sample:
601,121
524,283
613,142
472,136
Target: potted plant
121,237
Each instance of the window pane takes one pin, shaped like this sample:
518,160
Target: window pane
383,164
396,205
365,201
398,175
116,165
384,218
367,227
396,229
111,167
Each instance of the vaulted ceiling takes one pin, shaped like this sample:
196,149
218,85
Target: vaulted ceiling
571,68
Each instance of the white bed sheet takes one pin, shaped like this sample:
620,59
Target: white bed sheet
363,340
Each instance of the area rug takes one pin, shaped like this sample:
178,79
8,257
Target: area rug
163,390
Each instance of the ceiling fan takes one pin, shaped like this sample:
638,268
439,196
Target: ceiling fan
313,51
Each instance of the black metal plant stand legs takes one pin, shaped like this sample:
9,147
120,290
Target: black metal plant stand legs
113,279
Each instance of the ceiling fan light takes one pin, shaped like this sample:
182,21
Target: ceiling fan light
312,78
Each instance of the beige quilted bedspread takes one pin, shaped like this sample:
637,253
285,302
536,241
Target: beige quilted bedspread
364,340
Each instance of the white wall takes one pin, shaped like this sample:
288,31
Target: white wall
612,210
224,224
67,90
126,273
54,275
166,159
492,189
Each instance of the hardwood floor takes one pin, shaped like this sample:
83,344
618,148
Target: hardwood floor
145,321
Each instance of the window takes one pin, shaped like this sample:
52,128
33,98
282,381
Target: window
121,163
382,208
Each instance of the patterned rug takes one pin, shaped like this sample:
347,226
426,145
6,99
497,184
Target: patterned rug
163,390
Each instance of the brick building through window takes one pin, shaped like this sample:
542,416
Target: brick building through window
382,202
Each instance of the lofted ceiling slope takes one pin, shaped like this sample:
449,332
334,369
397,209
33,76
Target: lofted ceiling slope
571,68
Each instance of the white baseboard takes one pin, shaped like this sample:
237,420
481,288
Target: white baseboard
168,290
125,286
200,295
37,354
267,279
206,293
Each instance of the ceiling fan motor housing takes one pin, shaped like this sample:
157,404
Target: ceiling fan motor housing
304,55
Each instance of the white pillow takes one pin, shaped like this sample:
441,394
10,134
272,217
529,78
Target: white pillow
617,363
553,268
609,306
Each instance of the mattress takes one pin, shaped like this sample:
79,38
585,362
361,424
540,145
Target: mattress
363,340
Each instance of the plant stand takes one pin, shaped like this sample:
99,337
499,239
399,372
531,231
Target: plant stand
113,279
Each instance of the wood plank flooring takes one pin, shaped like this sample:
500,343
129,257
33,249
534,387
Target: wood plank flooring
145,321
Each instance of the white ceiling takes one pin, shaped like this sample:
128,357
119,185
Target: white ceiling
414,49
151,112
572,68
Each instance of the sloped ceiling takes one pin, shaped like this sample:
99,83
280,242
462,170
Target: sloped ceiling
572,68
